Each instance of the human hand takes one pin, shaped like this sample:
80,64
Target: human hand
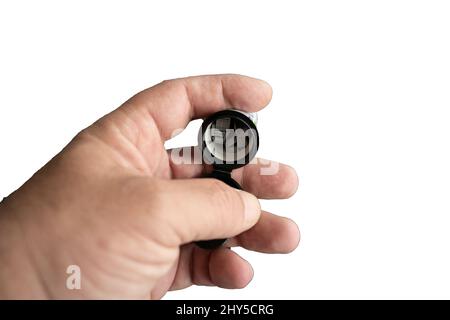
113,203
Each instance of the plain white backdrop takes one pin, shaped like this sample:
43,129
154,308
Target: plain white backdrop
360,108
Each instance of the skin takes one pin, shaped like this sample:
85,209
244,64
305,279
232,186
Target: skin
113,203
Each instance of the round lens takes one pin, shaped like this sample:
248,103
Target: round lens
230,139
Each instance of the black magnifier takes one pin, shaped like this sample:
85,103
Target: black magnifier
229,140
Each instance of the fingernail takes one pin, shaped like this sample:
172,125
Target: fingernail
252,208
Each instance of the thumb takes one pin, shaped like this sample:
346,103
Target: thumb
205,209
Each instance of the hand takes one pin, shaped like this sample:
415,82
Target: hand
114,204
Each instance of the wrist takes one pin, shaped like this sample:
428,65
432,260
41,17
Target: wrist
19,277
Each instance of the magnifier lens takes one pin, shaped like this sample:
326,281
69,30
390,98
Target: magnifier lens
229,139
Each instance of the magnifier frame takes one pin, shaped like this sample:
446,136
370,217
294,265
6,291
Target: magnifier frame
222,169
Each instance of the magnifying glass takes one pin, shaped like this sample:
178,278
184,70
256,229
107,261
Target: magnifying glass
229,140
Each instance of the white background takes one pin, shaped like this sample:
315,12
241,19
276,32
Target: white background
360,108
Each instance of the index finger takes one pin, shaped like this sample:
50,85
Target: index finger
173,103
